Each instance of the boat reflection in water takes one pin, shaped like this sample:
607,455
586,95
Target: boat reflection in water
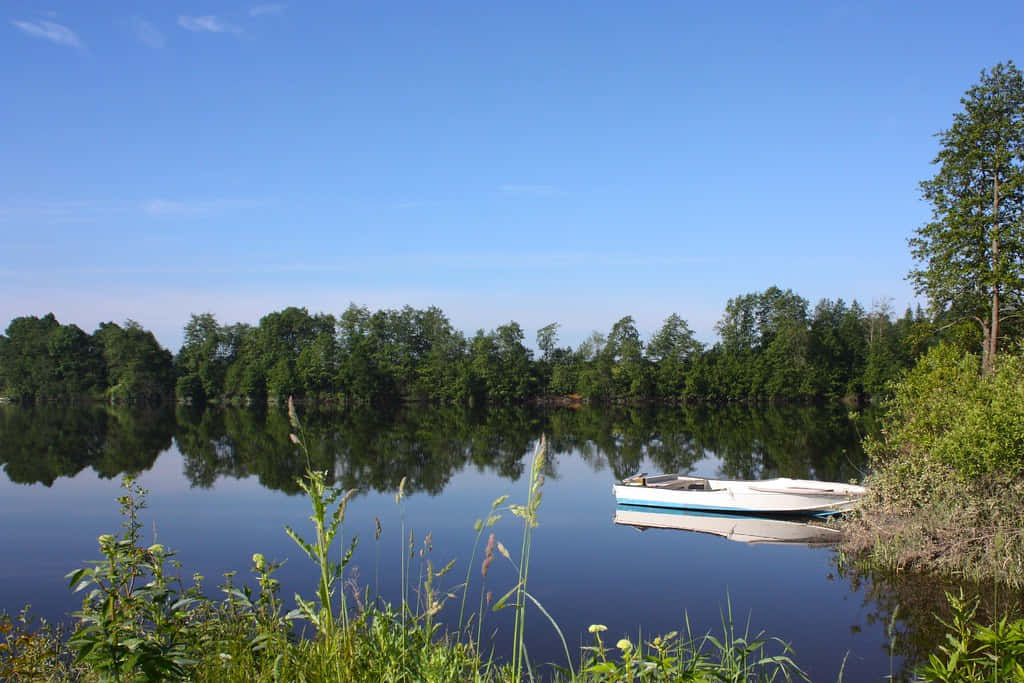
741,528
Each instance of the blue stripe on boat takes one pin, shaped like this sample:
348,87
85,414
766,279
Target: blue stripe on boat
732,511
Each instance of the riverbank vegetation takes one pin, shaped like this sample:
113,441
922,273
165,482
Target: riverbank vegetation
773,345
946,492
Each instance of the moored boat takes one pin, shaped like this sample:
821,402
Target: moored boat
781,496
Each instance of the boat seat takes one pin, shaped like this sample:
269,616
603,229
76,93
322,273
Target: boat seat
682,484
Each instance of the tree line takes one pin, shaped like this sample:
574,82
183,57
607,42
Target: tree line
773,345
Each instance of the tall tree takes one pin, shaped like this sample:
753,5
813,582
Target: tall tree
672,349
971,254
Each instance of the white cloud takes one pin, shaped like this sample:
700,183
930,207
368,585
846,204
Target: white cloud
529,190
208,23
50,212
267,8
146,33
48,30
171,207
95,210
553,260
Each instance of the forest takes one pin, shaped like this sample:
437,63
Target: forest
772,346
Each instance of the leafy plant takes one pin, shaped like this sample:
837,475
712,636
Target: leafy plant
974,652
733,656
131,617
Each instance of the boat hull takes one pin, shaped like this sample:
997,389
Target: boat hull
768,497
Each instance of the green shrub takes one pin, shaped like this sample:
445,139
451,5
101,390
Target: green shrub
946,493
946,412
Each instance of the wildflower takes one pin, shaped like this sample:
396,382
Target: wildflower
597,628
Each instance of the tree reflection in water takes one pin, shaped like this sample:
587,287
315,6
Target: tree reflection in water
373,448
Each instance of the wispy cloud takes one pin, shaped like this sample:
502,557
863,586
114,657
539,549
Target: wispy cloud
50,212
529,190
51,31
549,260
195,208
267,8
208,23
146,33
93,210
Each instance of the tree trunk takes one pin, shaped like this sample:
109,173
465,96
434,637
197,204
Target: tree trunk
986,347
994,336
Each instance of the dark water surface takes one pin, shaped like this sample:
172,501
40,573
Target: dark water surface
222,486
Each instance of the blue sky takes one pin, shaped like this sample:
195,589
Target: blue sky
529,161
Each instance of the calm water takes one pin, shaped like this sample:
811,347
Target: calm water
222,486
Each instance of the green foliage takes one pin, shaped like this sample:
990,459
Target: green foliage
40,359
138,368
326,524
945,412
974,652
202,363
731,656
132,620
672,350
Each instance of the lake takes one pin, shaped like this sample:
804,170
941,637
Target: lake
222,485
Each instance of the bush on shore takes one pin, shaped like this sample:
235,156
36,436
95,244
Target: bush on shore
946,493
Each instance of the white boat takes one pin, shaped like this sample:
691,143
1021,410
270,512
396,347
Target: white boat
740,528
766,497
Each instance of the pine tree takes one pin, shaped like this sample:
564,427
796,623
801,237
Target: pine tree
971,254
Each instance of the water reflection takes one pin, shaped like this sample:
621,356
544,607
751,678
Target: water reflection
40,444
913,607
374,448
734,527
